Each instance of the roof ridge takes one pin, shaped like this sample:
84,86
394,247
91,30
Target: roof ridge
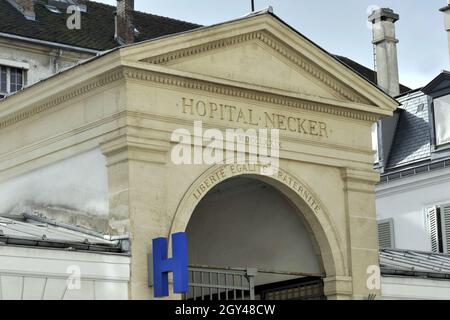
146,13
168,18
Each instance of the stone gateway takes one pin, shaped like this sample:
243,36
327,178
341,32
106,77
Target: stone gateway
311,222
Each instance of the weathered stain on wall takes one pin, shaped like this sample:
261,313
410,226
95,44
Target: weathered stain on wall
43,61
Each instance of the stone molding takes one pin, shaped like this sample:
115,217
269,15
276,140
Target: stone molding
341,287
359,180
321,218
127,147
60,99
200,85
160,78
281,48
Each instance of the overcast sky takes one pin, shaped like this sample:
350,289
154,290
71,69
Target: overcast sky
338,26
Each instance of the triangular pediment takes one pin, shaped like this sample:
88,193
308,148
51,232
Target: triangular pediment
266,55
256,59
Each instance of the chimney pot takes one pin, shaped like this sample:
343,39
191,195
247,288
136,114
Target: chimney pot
384,14
446,11
385,42
124,22
26,7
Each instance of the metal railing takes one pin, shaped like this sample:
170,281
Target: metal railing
306,290
219,283
213,283
419,169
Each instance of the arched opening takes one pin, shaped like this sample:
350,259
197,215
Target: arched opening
247,240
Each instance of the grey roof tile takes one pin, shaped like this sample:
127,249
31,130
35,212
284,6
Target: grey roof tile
395,261
97,25
412,141
97,29
34,232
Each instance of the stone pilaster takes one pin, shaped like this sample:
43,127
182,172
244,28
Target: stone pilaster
362,229
338,288
137,198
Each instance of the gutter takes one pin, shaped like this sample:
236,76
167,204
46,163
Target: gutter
414,169
61,245
388,272
82,230
49,43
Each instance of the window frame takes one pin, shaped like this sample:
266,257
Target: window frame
10,64
442,241
390,221
4,93
435,148
8,79
377,135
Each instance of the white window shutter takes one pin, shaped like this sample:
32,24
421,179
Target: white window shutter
433,225
445,223
386,234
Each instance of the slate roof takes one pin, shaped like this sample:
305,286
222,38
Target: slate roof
97,29
395,262
365,72
438,85
34,231
412,141
97,26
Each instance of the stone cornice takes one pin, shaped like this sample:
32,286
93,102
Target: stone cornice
360,180
412,183
125,147
35,109
201,85
281,48
134,73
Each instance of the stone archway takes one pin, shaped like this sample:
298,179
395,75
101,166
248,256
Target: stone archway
306,200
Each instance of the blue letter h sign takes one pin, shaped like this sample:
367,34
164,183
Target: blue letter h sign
178,265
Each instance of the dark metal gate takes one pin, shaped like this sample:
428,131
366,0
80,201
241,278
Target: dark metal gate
209,283
217,283
297,289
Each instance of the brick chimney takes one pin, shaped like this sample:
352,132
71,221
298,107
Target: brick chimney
446,11
383,23
26,7
124,22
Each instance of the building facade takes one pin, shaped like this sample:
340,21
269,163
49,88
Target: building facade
415,183
93,145
413,195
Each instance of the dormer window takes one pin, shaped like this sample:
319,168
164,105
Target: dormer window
442,120
438,91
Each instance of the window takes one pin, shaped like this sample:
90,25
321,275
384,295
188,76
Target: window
11,80
442,120
375,142
386,238
439,228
